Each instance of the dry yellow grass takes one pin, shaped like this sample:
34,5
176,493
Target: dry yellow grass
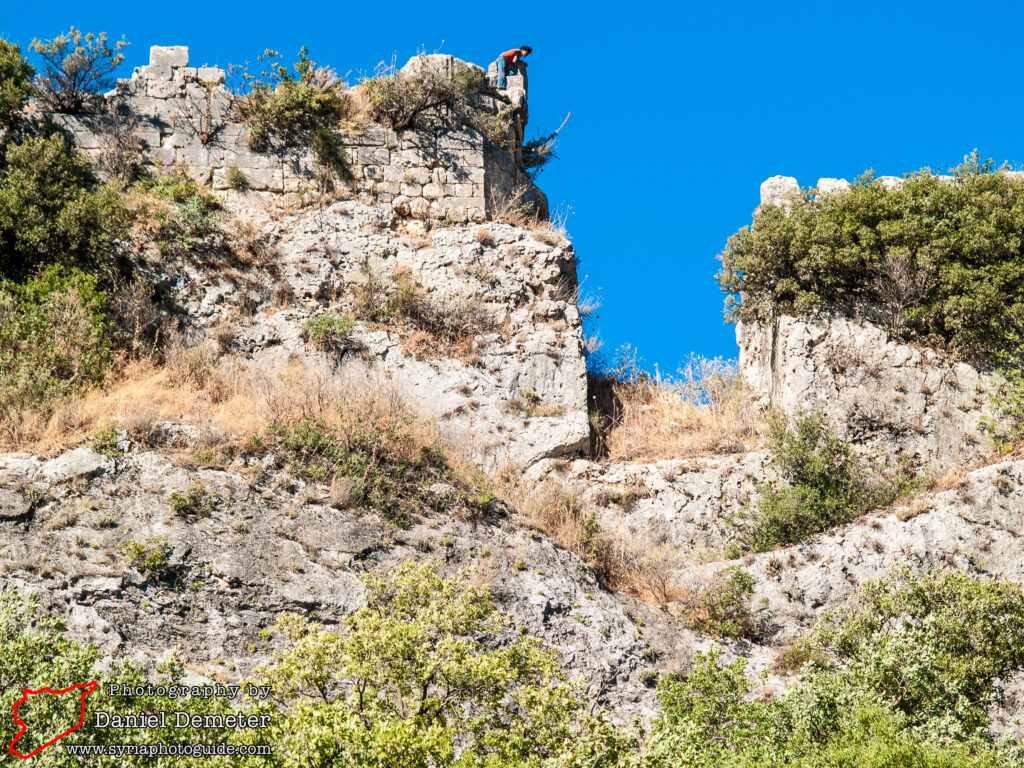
635,567
220,396
703,410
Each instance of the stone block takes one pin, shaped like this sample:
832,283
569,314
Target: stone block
13,505
832,186
184,74
414,157
169,55
387,187
211,75
412,190
432,191
778,190
401,205
417,176
81,462
419,208
394,173
163,89
156,72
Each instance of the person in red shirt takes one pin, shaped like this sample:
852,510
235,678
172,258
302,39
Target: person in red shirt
510,61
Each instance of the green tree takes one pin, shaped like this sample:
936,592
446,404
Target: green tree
937,647
916,660
53,210
53,338
76,68
418,679
15,84
942,258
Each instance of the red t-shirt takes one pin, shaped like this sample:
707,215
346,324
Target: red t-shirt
511,56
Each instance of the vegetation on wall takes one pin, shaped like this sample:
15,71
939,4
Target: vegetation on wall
411,98
76,68
304,105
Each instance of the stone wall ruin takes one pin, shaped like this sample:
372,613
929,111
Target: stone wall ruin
182,114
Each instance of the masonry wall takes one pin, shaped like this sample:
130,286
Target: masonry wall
182,114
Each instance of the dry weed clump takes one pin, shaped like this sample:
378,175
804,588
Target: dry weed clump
703,410
518,210
637,567
431,327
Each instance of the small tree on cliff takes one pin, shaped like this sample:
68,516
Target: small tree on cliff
76,68
15,84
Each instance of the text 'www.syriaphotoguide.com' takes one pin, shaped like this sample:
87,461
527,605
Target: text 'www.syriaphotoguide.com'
166,750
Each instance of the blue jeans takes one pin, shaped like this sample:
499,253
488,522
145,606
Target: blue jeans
504,70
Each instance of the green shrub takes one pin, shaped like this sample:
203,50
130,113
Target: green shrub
15,84
402,301
412,99
193,216
377,454
943,261
420,673
76,68
917,662
823,485
937,647
237,179
53,210
539,151
721,609
302,106
195,502
104,440
325,331
150,558
53,339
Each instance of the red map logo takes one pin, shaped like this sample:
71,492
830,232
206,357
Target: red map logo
84,688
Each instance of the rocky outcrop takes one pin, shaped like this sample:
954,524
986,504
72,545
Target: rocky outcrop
269,544
512,391
907,401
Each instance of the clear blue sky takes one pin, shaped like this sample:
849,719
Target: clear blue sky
679,111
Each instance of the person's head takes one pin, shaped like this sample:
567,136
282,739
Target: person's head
527,50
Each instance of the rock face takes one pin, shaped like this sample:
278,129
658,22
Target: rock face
270,545
512,391
907,401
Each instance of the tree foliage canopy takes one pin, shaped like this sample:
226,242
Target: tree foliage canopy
942,258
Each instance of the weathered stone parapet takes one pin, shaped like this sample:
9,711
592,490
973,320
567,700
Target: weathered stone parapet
779,190
182,115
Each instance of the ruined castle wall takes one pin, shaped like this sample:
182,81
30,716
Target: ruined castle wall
182,114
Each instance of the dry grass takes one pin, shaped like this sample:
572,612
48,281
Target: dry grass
517,211
217,395
636,567
703,410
